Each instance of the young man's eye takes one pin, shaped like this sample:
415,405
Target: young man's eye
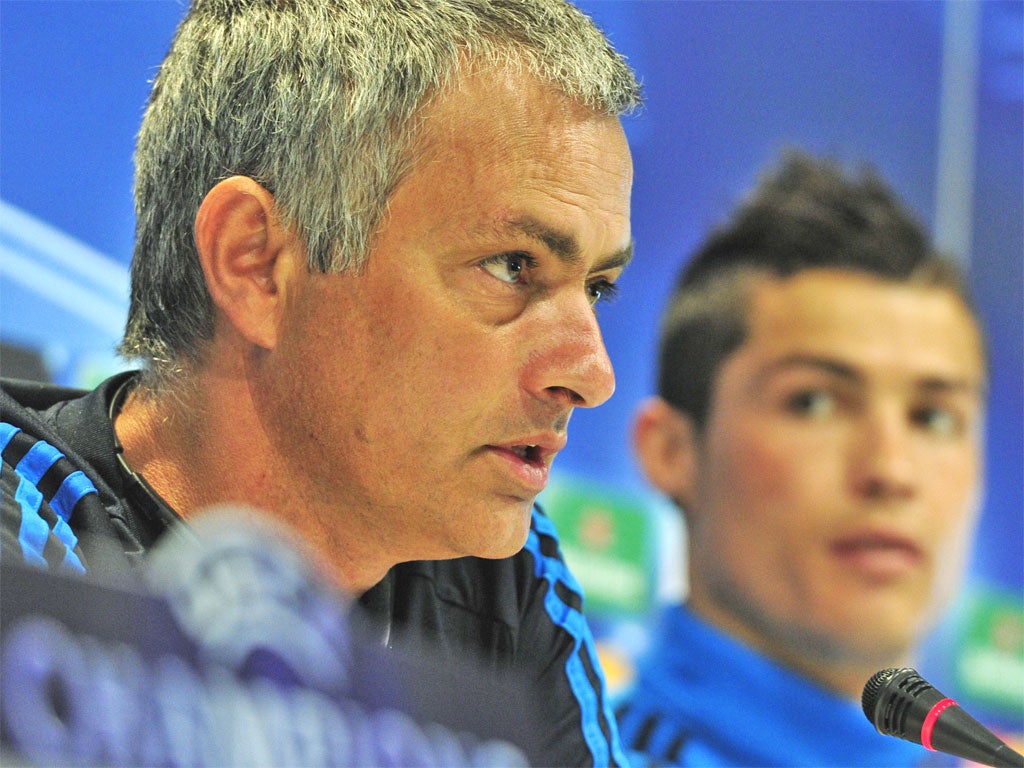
602,290
939,421
814,403
508,267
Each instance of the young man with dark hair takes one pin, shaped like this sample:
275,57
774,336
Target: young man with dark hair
821,386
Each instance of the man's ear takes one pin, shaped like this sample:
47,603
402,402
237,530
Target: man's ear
247,257
665,443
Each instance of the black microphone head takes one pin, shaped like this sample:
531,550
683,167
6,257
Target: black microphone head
872,689
899,702
896,700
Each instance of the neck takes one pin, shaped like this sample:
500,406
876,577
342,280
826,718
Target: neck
830,663
205,447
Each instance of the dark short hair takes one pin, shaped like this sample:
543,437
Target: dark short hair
807,213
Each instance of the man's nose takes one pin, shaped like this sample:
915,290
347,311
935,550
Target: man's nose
883,464
569,361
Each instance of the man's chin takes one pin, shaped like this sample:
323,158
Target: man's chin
506,546
507,537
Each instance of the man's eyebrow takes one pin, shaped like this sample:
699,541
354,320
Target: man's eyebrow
940,385
935,384
617,260
565,246
801,360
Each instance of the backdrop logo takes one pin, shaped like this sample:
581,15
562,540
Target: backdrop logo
251,601
240,658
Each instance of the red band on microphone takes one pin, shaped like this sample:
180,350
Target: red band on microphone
929,722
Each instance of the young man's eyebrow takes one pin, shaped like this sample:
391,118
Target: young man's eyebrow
933,383
942,385
565,246
821,363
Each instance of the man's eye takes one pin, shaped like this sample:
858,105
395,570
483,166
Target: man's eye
602,290
940,421
507,267
814,403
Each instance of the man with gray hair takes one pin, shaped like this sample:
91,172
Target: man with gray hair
370,239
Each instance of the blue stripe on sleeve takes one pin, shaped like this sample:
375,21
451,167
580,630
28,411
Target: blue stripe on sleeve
72,489
39,458
67,537
618,750
556,570
7,431
33,530
572,621
72,563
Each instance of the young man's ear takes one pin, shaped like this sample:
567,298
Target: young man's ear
247,257
665,443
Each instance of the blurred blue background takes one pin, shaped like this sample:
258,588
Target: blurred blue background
931,93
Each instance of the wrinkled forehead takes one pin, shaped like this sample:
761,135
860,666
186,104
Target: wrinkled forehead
503,104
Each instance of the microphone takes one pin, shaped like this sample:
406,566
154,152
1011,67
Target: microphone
899,702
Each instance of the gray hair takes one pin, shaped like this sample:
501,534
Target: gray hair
317,101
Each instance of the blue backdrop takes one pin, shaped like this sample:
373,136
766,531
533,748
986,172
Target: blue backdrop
727,86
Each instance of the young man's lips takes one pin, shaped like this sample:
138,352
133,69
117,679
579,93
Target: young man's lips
878,555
